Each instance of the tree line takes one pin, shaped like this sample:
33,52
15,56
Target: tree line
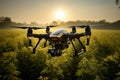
7,22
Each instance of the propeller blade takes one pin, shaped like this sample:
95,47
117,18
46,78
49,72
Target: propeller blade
83,26
35,28
52,26
19,27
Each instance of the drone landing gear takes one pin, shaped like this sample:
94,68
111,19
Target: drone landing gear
44,45
83,47
76,52
36,46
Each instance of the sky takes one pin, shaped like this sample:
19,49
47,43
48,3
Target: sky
45,11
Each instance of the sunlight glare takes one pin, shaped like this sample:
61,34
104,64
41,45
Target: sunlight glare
59,14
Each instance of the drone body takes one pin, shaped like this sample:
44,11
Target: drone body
60,39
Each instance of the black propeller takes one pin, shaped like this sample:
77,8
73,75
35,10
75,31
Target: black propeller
29,32
52,26
35,28
83,26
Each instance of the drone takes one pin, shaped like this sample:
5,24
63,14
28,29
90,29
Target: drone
59,39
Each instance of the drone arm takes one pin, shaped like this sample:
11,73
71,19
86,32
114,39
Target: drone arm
36,46
78,35
39,35
84,48
74,47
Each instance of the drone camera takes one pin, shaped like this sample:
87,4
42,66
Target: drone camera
54,52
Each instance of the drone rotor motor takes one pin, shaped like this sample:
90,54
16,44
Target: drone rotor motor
29,32
88,34
73,29
47,29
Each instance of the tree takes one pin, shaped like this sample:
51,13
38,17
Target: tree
5,22
54,23
34,24
117,3
7,19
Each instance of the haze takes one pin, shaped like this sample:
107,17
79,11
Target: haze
44,11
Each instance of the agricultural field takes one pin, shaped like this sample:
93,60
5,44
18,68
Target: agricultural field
100,62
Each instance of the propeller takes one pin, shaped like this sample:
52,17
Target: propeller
29,32
83,26
52,26
35,28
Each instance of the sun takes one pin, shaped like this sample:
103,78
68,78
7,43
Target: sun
59,14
